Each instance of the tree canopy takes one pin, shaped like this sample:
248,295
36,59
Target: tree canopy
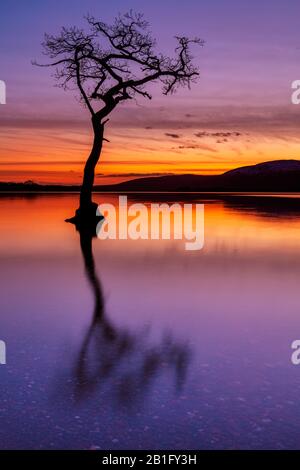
113,63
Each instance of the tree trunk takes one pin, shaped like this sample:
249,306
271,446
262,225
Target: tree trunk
89,169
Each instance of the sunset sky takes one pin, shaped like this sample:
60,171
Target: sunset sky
239,112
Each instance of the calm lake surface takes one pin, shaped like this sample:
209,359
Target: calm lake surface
123,344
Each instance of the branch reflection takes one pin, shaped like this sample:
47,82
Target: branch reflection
127,361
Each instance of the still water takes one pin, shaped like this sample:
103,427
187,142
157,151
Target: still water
141,344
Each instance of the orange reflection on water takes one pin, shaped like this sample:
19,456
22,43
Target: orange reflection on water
36,223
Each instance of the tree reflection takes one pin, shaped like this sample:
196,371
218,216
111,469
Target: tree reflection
127,361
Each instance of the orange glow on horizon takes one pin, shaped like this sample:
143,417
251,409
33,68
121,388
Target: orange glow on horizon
59,156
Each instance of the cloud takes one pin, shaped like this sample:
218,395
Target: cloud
44,123
127,175
174,136
276,121
41,162
197,146
268,120
224,135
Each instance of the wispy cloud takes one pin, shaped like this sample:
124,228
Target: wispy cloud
224,135
130,175
210,119
208,148
174,136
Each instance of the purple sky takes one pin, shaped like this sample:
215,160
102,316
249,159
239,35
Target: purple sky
251,57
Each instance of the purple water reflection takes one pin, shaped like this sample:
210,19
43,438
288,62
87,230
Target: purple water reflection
192,350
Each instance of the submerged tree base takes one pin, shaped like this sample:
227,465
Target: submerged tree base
86,217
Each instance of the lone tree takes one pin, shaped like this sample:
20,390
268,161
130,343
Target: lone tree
111,64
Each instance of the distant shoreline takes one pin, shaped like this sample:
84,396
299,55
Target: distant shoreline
207,194
280,176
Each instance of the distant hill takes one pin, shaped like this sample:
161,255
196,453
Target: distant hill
274,176
267,168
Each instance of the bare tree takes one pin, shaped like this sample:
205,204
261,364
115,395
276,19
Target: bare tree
111,64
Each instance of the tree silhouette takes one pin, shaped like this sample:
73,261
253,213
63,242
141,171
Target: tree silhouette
111,64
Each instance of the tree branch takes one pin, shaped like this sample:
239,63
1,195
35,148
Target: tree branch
79,84
113,63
